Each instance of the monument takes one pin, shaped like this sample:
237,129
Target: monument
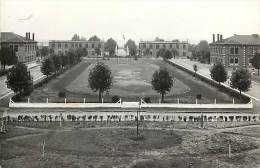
122,51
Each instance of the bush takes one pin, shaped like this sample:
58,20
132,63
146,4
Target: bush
199,96
62,94
3,72
147,99
115,99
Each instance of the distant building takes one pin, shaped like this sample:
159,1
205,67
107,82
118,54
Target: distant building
63,46
24,47
150,48
235,51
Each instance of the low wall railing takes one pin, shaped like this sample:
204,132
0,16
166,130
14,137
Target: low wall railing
121,104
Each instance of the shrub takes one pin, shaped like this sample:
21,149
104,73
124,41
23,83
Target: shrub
147,99
115,99
62,94
199,96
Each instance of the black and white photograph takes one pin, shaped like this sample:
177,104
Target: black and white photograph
129,84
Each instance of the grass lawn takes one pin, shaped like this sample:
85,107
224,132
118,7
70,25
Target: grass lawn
118,147
131,81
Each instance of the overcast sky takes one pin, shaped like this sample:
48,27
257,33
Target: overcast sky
137,19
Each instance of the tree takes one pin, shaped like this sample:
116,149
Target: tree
201,51
147,51
44,51
175,52
7,56
98,51
110,46
75,37
64,60
160,52
162,82
158,39
166,54
240,80
100,79
47,67
219,73
132,47
195,68
256,62
19,79
94,38
57,62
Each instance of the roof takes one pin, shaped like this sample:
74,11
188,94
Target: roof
70,41
11,37
164,42
253,39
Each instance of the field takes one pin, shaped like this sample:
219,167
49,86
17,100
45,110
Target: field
131,81
118,147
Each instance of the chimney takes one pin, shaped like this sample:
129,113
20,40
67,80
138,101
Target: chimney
26,36
221,38
33,36
29,34
217,37
213,38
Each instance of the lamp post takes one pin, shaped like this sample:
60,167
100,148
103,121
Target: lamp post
137,122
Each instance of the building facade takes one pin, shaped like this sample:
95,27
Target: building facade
150,48
25,48
90,47
235,51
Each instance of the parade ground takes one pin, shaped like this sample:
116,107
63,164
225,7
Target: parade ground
131,82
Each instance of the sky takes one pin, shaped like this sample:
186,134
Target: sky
191,20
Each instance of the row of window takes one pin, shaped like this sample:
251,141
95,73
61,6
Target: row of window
157,46
176,54
233,60
76,45
220,50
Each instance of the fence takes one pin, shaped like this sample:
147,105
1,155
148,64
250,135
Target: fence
121,104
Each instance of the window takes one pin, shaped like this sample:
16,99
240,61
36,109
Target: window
232,50
59,45
236,60
250,60
170,45
157,46
76,45
80,45
144,46
53,45
184,47
93,45
236,50
164,46
177,46
66,45
16,48
86,45
72,45
184,54
99,45
150,46
231,60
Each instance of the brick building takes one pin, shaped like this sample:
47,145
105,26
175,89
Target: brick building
63,46
24,47
150,48
235,51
